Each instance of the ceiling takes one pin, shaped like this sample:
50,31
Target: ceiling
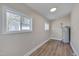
43,9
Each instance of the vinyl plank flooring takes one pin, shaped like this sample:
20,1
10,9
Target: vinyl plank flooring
54,48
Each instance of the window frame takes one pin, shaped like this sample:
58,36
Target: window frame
5,22
45,26
30,24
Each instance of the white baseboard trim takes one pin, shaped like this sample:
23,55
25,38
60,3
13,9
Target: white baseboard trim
55,38
74,50
34,49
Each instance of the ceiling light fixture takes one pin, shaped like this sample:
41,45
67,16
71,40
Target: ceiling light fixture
52,9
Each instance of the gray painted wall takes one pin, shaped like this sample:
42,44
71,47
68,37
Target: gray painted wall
21,43
75,28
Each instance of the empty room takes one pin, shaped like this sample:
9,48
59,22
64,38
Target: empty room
39,29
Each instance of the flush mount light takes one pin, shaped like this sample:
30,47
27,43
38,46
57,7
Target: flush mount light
52,9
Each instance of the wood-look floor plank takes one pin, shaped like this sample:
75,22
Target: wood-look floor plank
54,48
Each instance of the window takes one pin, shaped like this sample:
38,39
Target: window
26,24
46,26
13,21
17,22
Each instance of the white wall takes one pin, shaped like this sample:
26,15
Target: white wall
20,44
75,28
56,27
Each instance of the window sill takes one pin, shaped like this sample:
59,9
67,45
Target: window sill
17,32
